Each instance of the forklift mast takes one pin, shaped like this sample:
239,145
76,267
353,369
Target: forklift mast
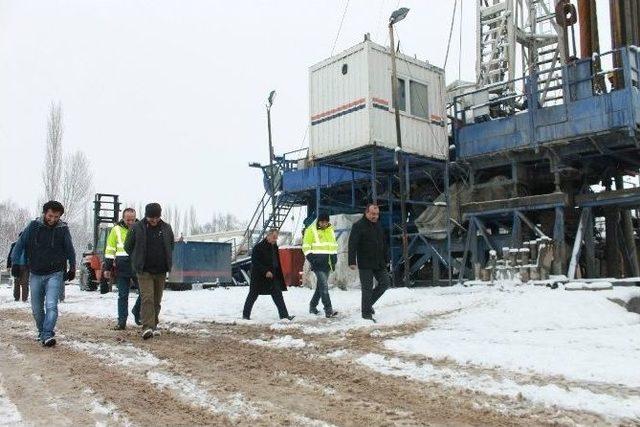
106,210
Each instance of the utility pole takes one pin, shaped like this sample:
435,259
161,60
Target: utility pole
397,16
272,175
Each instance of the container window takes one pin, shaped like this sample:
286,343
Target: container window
402,96
419,100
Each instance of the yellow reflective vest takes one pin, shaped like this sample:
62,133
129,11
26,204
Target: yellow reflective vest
115,242
320,247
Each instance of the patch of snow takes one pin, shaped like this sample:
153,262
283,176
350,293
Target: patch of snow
286,341
191,393
337,354
551,395
119,355
9,414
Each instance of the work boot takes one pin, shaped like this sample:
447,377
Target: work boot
369,317
119,327
288,317
49,342
330,314
148,333
314,310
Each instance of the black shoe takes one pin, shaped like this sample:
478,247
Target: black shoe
148,333
313,310
331,314
288,317
369,317
49,342
119,327
246,317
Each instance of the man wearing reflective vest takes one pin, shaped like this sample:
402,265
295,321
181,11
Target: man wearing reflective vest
115,253
321,250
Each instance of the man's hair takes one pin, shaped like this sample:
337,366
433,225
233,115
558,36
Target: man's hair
128,210
370,205
273,230
53,205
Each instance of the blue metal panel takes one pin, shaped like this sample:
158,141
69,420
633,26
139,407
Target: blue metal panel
201,262
319,176
583,114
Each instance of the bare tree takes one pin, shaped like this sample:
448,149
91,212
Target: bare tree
53,160
77,185
13,219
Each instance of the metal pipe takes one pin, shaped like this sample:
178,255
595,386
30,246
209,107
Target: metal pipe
271,173
584,20
403,207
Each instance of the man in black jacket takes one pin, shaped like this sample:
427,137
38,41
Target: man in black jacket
266,276
149,244
47,248
368,253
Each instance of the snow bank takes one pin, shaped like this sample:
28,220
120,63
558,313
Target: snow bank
580,335
574,398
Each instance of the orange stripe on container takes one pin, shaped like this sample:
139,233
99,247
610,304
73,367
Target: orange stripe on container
337,109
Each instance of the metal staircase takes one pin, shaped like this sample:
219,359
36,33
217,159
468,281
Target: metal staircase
272,209
265,218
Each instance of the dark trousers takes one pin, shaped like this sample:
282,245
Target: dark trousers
124,285
276,294
370,294
322,292
21,283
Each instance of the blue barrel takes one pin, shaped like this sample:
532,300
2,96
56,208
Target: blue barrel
201,262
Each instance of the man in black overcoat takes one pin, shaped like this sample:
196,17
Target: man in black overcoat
266,276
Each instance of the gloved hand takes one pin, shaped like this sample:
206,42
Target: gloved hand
71,274
15,270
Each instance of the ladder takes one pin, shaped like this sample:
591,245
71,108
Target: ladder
265,218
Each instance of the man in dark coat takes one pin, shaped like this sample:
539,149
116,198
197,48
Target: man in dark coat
149,244
20,275
368,252
266,276
48,250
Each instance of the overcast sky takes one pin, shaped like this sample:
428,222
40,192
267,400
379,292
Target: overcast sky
166,98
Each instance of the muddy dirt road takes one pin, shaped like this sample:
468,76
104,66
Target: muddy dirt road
213,374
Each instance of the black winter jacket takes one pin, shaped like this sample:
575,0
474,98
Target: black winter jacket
263,256
368,248
47,249
136,244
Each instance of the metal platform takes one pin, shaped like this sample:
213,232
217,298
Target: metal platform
589,118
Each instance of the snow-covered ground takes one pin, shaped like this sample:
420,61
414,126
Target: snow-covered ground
527,335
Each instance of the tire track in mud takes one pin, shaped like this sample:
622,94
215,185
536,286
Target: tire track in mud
302,386
297,381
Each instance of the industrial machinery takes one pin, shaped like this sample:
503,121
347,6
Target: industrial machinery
106,212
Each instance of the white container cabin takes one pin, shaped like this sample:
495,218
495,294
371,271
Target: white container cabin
350,103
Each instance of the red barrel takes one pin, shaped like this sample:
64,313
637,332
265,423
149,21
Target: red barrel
292,262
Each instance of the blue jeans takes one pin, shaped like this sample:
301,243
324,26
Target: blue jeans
124,284
322,291
45,291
